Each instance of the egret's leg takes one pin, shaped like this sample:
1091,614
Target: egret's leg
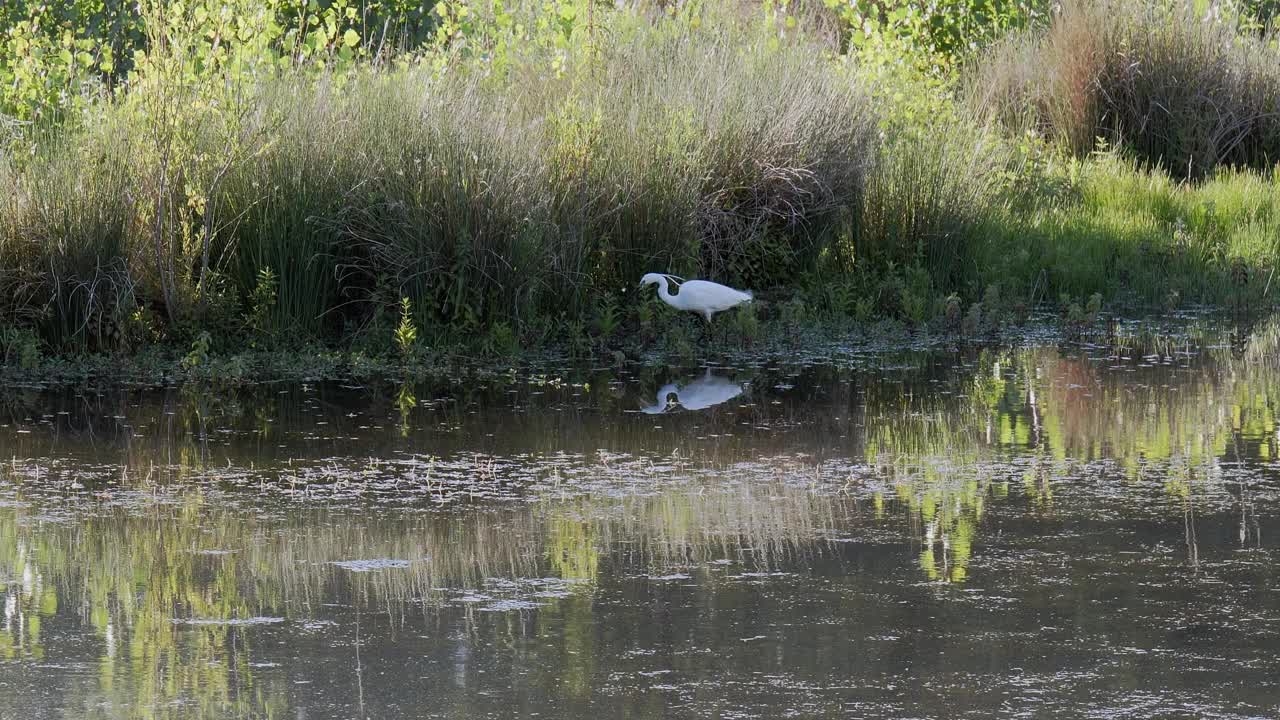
707,315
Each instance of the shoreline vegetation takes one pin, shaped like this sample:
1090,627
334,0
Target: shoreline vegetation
196,187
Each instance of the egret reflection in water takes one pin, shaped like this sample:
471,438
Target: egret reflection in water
699,394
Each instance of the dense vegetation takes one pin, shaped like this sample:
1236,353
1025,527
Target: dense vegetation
217,174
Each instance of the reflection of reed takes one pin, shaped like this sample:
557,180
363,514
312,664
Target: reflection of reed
762,524
1138,402
1262,346
449,551
126,568
204,555
126,573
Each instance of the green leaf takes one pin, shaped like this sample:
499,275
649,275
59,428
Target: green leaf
317,39
350,38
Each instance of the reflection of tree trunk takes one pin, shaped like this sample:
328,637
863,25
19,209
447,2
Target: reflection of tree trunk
1244,514
946,552
359,668
1035,414
1246,500
1189,530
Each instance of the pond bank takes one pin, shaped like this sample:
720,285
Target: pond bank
685,342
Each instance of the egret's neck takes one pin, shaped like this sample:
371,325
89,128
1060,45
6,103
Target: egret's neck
664,291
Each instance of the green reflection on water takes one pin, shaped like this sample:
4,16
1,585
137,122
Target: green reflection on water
1173,413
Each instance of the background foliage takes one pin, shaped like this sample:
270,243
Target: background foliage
499,173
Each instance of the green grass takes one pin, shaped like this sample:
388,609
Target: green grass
65,226
1140,237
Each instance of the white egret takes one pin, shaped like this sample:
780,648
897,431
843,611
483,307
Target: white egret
700,296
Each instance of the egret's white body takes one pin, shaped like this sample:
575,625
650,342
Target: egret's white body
700,296
700,394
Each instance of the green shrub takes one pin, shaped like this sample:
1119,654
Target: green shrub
19,347
262,303
501,341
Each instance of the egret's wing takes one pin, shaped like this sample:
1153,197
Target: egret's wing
703,294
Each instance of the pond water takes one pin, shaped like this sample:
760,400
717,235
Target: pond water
1087,531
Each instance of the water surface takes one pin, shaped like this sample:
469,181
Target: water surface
1032,532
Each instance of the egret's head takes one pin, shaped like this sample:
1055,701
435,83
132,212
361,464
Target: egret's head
650,279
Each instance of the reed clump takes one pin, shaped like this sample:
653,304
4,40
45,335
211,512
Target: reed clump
1178,90
482,201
